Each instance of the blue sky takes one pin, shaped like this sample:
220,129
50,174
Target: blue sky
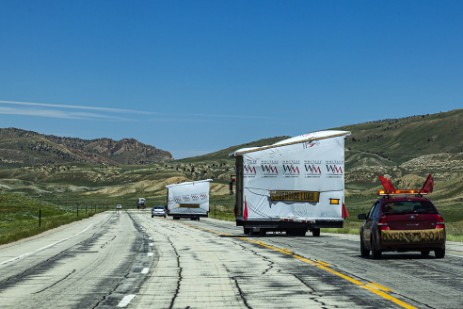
193,77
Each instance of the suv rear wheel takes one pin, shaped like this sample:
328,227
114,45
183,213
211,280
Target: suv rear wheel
364,252
440,253
376,253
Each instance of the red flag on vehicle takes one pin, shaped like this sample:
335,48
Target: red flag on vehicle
245,212
428,185
387,184
345,213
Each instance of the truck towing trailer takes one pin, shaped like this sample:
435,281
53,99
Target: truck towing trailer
188,199
292,186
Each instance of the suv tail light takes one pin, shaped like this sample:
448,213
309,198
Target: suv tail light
382,224
440,224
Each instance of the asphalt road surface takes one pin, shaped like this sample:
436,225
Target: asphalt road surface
129,260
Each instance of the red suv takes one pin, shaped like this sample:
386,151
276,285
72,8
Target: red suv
402,220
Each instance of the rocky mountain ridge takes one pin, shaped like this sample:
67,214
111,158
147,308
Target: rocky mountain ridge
21,147
406,150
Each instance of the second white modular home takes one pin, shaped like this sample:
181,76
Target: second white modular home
188,199
294,185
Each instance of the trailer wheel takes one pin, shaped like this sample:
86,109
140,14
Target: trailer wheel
262,232
316,232
176,218
247,230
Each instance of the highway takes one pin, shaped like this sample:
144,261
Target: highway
123,259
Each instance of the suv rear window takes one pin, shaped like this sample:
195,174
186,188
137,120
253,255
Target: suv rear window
400,207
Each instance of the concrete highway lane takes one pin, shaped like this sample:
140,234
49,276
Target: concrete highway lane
211,264
130,260
405,279
82,265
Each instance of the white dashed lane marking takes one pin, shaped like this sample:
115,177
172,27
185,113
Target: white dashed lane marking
145,270
125,301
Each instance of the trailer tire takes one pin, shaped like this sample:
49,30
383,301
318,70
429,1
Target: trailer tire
316,232
176,218
247,230
262,232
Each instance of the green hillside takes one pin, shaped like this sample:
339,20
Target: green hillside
400,140
406,150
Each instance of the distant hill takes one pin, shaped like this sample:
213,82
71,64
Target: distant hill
406,150
415,145
403,139
20,147
224,154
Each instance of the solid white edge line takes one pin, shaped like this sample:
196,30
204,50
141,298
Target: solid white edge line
125,301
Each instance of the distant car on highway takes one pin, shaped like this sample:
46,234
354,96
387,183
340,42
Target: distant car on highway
118,206
158,211
402,220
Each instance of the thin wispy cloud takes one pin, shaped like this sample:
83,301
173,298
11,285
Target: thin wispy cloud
62,111
48,113
84,112
80,107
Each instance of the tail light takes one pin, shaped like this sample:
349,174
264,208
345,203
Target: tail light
382,224
440,224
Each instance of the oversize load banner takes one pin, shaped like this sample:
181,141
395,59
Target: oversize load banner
195,194
189,205
295,196
315,167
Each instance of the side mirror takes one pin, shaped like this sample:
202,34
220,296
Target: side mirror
362,216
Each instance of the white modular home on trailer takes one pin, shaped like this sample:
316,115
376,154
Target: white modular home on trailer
188,199
294,185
